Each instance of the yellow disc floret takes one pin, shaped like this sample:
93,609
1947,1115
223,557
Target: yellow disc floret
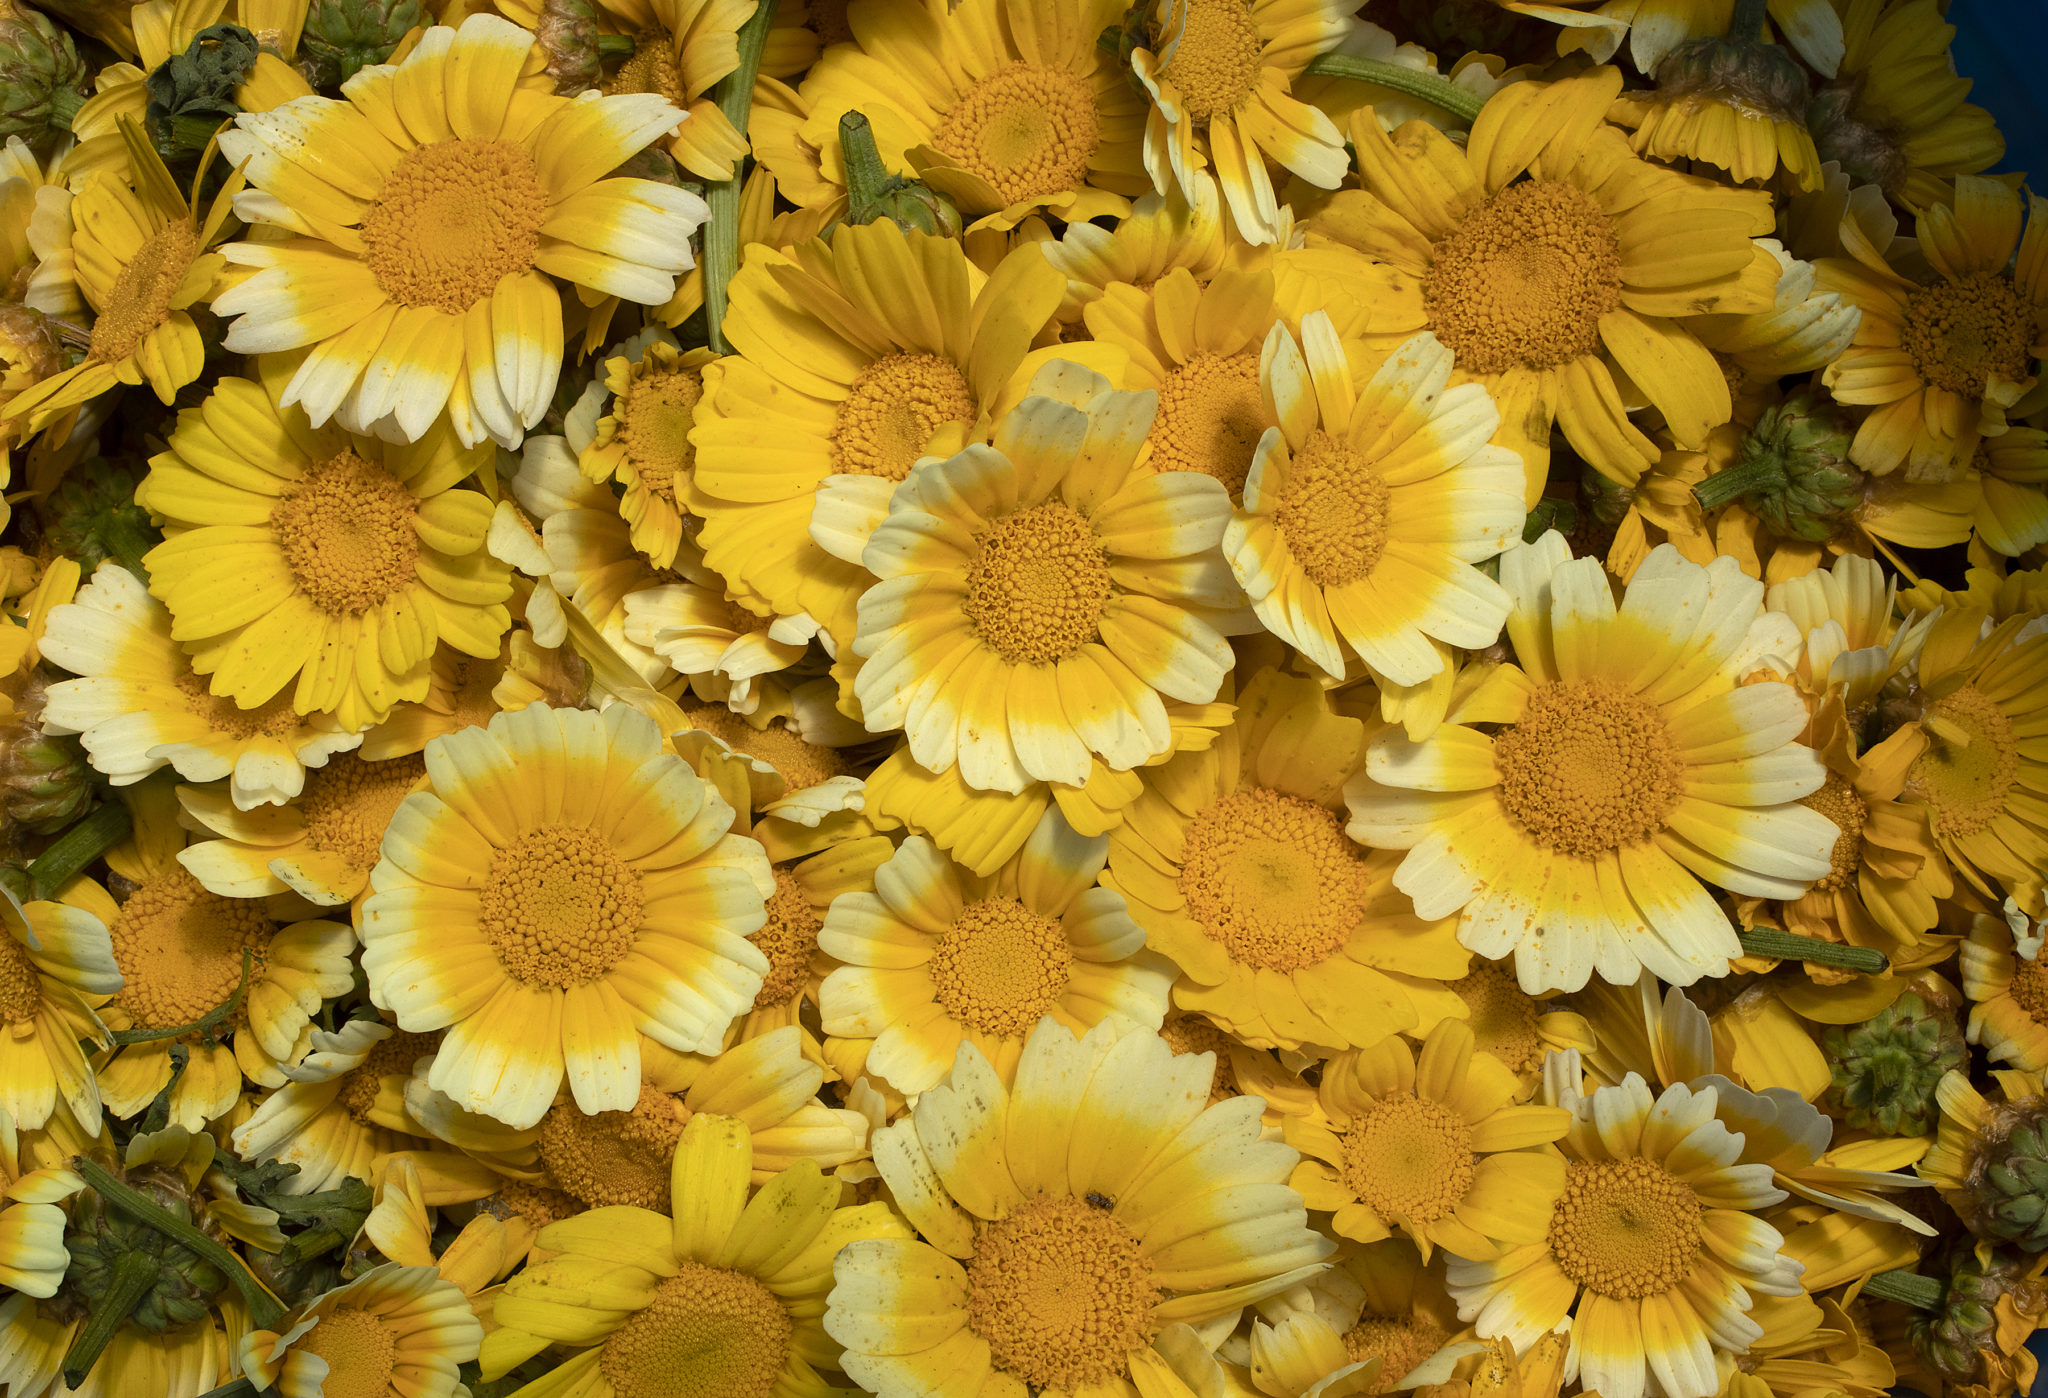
1626,1228
1273,878
1062,1293
560,907
348,534
1027,129
706,1331
453,220
891,410
1000,966
1589,768
1037,585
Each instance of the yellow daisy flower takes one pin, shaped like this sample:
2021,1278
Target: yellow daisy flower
141,257
561,887
341,1110
426,214
57,969
813,865
317,556
599,1160
726,1296
180,951
2012,513
2008,996
1042,596
1428,1141
1554,289
852,360
462,692
642,438
1978,774
321,846
731,654
184,1363
1940,361
393,1332
1385,1303
139,706
1655,1241
1162,233
1365,509
1218,73
1515,1027
1236,864
936,957
1066,1222
1008,107
1628,765
680,49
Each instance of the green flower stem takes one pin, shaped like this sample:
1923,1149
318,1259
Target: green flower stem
1909,1288
610,46
212,1019
64,105
265,1310
134,1274
722,232
1788,946
1409,82
866,177
1743,478
78,847
1748,20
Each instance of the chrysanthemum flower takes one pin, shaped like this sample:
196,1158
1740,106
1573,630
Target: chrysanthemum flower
342,1109
1627,762
1940,362
1385,1303
852,360
1655,1241
180,951
641,438
681,48
318,557
139,706
393,1332
731,655
1428,1142
1979,771
1236,864
1009,107
1365,509
1066,1221
1218,73
33,1259
1513,1026
726,1296
141,256
561,887
426,214
56,970
1554,289
813,864
598,1160
936,957
321,846
1043,595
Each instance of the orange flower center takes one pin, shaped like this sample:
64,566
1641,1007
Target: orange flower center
348,534
1000,967
453,220
1273,878
615,1157
800,764
274,719
180,949
1026,129
654,428
1838,801
1409,1159
1501,1017
560,907
1062,1292
349,803
1216,65
1211,416
21,988
706,1331
892,410
361,1351
141,298
1399,1345
1965,780
1334,512
389,1058
1038,584
1961,332
789,939
1590,768
1626,1228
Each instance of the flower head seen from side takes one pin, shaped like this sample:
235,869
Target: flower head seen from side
1217,72
1041,596
1628,764
1654,1247
56,970
318,560
1065,1222
642,440
724,1295
137,705
1429,1143
1366,508
342,1108
427,213
560,888
936,957
393,1332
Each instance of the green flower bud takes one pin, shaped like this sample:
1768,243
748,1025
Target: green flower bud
1949,1337
1885,1070
43,82
342,37
178,1289
1794,471
872,193
92,516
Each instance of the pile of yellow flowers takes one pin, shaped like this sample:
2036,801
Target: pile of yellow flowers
989,698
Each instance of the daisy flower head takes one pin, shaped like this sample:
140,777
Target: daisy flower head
393,1332
1218,72
425,216
559,888
725,1295
1042,596
1428,1142
1940,357
311,557
138,706
1234,860
57,970
1556,264
2008,995
642,438
1654,1248
342,1107
1629,764
1366,508
936,957
680,49
1065,1222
